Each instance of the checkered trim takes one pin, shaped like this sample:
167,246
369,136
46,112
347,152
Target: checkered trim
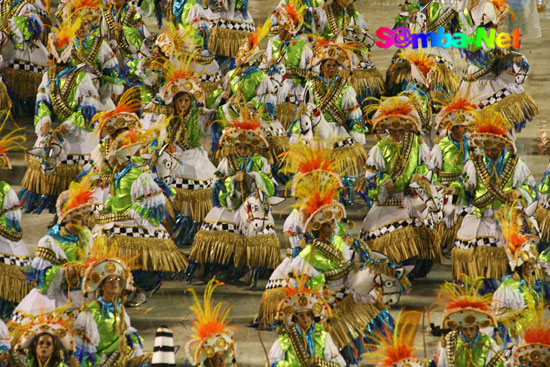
379,232
26,66
14,260
293,98
138,232
233,25
366,64
482,241
209,77
189,184
545,204
344,143
397,60
275,283
442,60
497,97
220,226
76,159
271,131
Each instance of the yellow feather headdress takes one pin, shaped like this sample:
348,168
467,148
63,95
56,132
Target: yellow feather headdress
457,108
250,50
60,40
180,71
290,15
13,140
394,113
492,130
535,333
123,117
79,198
210,326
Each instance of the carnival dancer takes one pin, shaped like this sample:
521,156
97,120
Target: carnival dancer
287,58
519,291
180,159
60,254
65,104
341,17
393,225
135,214
43,340
238,232
25,56
212,342
104,333
125,30
465,314
493,178
300,316
497,75
14,253
449,156
534,348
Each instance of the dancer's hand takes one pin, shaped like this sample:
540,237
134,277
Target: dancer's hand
239,176
449,191
514,194
389,185
46,128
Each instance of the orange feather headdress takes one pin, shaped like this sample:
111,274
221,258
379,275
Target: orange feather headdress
535,333
123,117
60,40
180,71
210,326
246,128
395,113
334,49
458,108
250,50
79,198
9,142
492,130
290,16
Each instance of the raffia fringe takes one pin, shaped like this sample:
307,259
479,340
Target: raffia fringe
481,261
278,145
224,151
35,180
543,219
397,73
285,113
353,158
447,236
263,251
23,84
428,244
399,245
5,100
209,87
443,77
368,80
13,283
349,319
518,107
153,254
199,202
270,303
225,42
218,247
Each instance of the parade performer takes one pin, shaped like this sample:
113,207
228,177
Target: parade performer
341,17
135,214
43,340
534,349
449,156
60,254
493,179
104,335
300,316
465,313
392,225
496,76
518,291
288,58
24,56
65,104
181,161
239,230
213,341
13,251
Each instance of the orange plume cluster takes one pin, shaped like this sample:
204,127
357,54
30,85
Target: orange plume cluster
78,5
129,102
314,191
66,29
423,61
309,157
11,141
80,194
511,224
396,106
465,295
489,121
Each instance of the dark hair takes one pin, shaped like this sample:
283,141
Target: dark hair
55,359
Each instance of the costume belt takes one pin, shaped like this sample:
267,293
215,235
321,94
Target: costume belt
112,217
328,101
49,255
329,251
448,177
401,161
10,234
494,188
339,273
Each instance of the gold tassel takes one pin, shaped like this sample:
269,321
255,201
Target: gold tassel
367,80
262,251
35,180
481,261
23,84
428,244
349,319
517,107
399,245
270,304
5,100
199,202
218,247
14,285
397,73
447,236
353,161
209,87
226,42
278,145
153,254
286,112
442,77
542,216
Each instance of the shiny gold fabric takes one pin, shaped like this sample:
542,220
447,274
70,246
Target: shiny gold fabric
481,261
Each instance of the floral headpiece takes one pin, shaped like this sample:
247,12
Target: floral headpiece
398,351
210,327
290,16
518,245
395,113
180,73
11,141
79,198
464,306
492,130
249,51
123,117
60,40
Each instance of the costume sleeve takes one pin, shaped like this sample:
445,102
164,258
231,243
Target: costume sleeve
332,354
442,361
43,271
277,355
193,131
25,28
375,176
301,266
110,78
436,157
87,99
352,109
507,298
148,202
320,20
523,181
494,354
133,338
43,106
86,337
468,183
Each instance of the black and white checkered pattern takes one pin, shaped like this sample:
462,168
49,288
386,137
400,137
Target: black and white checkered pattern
14,260
497,97
233,25
293,98
275,283
189,184
270,131
379,232
76,159
344,143
220,226
365,65
442,60
138,232
209,78
26,66
482,241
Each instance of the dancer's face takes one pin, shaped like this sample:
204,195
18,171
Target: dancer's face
528,269
395,135
243,150
217,361
84,28
493,152
457,132
470,331
327,230
111,287
303,319
330,69
183,103
45,347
